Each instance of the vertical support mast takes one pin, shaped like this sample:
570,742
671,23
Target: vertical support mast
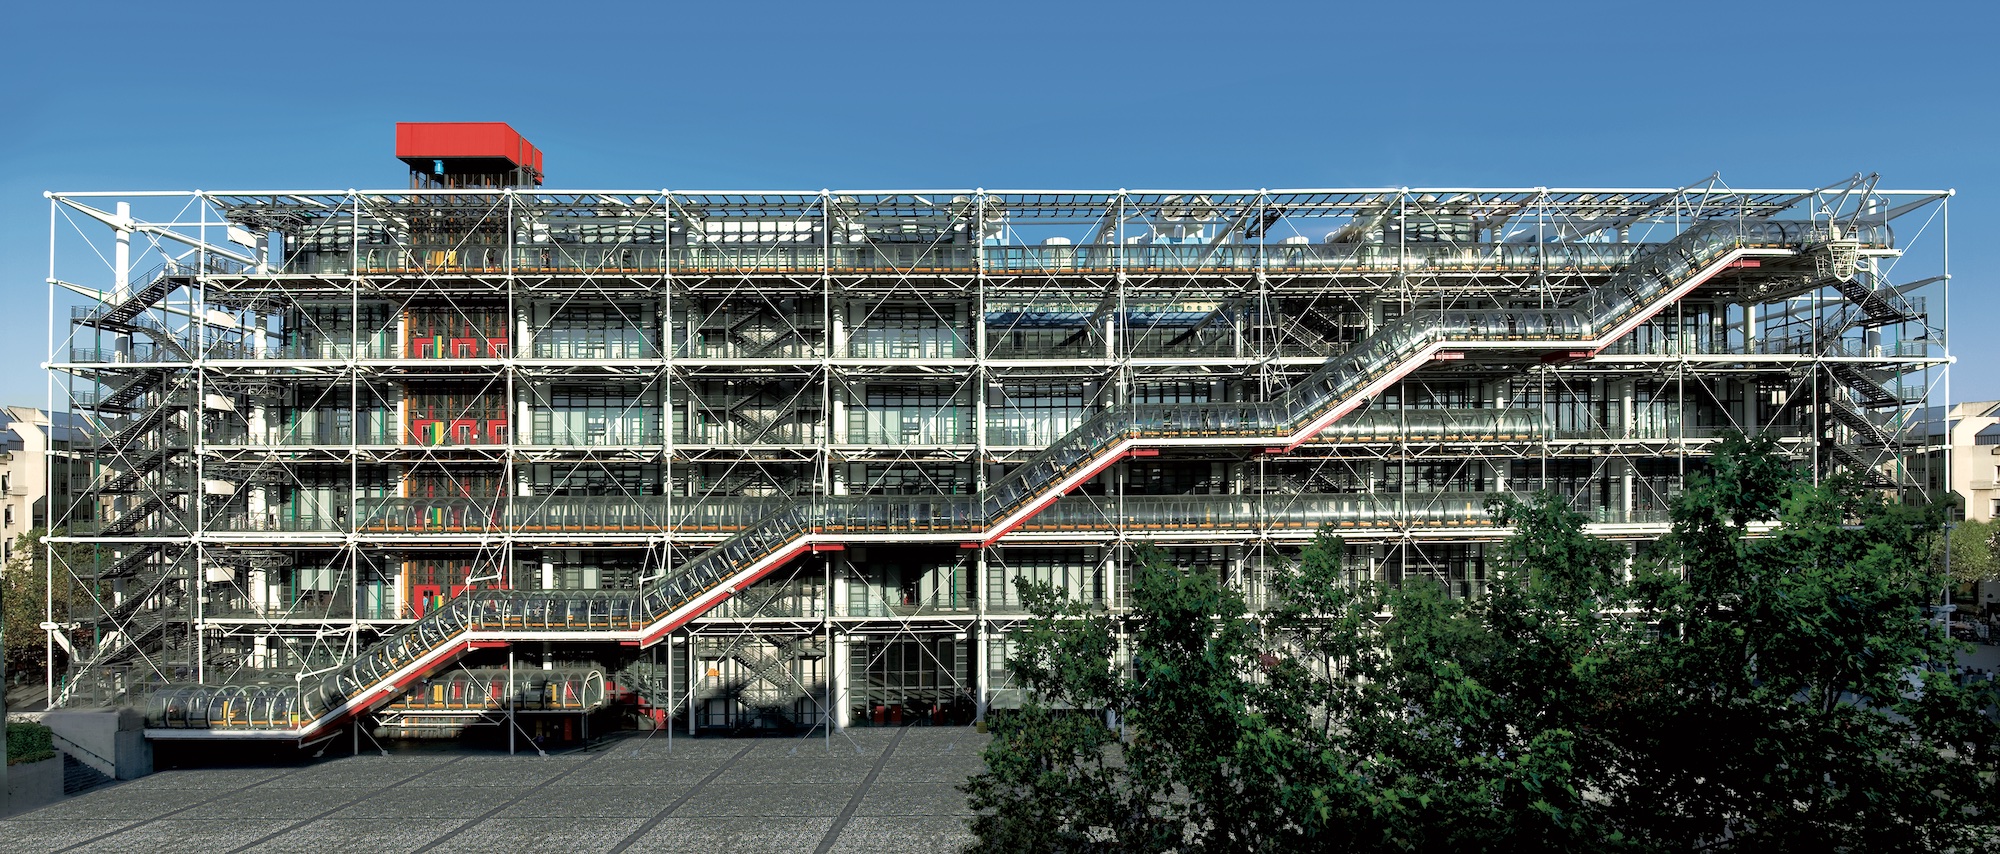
1044,321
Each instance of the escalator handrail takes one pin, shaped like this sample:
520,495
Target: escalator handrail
1653,272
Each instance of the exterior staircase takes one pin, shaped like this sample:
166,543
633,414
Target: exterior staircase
1657,276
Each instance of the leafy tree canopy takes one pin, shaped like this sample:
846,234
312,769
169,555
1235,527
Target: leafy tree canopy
1764,678
25,598
1965,555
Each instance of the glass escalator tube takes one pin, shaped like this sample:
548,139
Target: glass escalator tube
1573,324
1308,514
1380,426
223,704
264,709
163,708
1649,272
1453,325
1348,430
1374,511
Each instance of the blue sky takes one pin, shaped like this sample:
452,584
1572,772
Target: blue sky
1018,94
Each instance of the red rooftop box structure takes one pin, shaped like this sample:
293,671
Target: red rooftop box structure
452,155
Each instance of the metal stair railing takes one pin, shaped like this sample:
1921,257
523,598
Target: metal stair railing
1872,393
119,644
163,337
129,521
1880,306
121,398
1864,429
646,686
131,561
159,282
769,670
131,432
163,279
1652,278
128,478
148,586
1870,472
763,668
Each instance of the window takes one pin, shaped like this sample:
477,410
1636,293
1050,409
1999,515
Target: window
1159,391
1044,330
1178,329
1461,567
908,680
907,332
596,415
908,415
910,479
1579,481
1438,477
598,332
579,569
316,501
599,479
326,416
1034,413
10,517
1581,410
1174,478
1076,573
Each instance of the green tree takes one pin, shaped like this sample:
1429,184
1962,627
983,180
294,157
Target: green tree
1053,783
1454,724
1970,544
1804,701
1766,679
1190,701
24,589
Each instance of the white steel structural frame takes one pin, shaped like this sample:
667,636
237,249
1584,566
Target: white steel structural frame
1162,250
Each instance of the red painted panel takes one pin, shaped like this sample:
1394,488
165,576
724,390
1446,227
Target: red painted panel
422,140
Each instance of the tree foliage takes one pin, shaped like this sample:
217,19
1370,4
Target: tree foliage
1763,678
1965,554
24,595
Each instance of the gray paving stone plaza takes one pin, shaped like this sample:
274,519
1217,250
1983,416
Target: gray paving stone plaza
869,791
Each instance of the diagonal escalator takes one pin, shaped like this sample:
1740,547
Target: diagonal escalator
1657,277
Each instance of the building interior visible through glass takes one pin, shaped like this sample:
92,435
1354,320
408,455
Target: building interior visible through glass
775,460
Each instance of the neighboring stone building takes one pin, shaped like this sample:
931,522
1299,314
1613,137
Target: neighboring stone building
24,480
1968,434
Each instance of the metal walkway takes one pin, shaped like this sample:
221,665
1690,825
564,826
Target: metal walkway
1658,276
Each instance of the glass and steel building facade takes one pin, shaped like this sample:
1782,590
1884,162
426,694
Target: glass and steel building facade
776,459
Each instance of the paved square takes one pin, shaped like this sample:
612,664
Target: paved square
869,790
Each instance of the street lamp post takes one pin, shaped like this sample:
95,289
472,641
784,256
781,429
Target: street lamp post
1944,609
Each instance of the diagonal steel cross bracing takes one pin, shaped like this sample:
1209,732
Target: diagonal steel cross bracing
1576,328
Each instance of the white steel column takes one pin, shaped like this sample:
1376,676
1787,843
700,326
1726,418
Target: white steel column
49,627
837,670
197,418
982,380
694,677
